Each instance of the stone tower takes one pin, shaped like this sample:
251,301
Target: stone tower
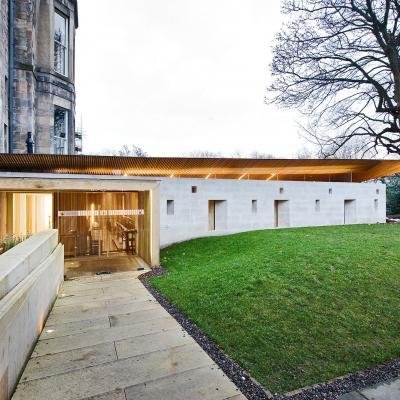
37,70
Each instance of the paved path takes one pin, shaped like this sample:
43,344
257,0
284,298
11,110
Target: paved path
107,338
384,391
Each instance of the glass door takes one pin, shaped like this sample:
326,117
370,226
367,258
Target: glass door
98,224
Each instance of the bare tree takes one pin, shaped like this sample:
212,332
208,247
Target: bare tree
350,150
126,151
236,154
204,154
305,154
260,155
338,62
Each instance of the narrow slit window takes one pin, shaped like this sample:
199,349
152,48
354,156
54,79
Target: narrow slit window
376,204
194,189
5,138
254,207
377,191
317,205
281,190
330,190
60,138
170,207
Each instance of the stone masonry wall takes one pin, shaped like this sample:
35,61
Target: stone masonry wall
191,213
24,79
37,87
3,74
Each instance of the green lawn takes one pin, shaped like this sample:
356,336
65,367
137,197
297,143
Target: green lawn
294,307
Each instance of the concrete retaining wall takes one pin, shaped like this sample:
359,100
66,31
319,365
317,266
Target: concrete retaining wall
30,277
251,205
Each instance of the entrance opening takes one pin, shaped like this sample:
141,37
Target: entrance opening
281,214
93,226
217,215
350,212
103,231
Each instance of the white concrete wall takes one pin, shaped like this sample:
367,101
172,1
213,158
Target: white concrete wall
30,277
191,218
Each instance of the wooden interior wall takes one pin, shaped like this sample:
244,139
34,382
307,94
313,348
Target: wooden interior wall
24,213
10,212
144,231
3,214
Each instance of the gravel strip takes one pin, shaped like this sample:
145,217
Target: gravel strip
330,390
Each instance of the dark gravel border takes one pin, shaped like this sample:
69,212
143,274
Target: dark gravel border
330,390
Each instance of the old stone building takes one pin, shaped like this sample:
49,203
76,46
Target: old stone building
37,70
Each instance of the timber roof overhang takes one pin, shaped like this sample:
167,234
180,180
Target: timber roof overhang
216,168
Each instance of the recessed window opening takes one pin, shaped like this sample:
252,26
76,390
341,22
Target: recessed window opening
281,213
254,207
5,138
376,204
217,215
350,211
170,207
330,190
377,191
194,189
318,205
281,190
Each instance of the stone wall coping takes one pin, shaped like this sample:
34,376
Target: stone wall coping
20,261
10,303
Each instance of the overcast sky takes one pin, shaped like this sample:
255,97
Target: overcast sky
180,75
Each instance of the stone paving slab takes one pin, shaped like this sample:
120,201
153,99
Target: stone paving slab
103,378
81,314
203,383
55,364
88,292
154,342
138,316
80,308
84,306
105,277
53,330
352,396
76,286
119,301
86,303
118,343
135,293
127,289
115,395
384,391
102,335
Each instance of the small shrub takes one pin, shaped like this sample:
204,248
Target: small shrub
10,241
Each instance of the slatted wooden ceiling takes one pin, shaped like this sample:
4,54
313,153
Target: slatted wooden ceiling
223,168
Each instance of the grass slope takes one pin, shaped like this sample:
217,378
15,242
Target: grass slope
295,306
